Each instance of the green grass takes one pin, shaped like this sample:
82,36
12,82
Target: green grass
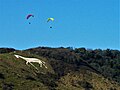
19,74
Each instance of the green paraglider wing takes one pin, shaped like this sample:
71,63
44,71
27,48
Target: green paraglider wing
50,19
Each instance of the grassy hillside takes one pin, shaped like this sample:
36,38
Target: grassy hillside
62,73
85,80
14,73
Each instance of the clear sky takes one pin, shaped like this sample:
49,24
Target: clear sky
78,23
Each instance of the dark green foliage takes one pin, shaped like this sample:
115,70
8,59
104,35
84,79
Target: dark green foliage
61,68
105,61
48,79
6,50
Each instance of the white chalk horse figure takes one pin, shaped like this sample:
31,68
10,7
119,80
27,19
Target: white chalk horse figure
30,60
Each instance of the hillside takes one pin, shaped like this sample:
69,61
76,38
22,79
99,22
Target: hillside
105,62
66,70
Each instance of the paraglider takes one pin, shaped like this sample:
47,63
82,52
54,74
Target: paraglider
50,19
28,16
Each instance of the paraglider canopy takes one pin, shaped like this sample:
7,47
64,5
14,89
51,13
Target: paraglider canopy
50,19
29,15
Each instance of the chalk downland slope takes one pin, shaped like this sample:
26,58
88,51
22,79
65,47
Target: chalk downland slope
60,75
14,73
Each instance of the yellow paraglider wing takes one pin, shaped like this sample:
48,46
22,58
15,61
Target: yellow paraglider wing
50,19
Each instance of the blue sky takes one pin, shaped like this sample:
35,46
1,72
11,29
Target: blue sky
78,23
